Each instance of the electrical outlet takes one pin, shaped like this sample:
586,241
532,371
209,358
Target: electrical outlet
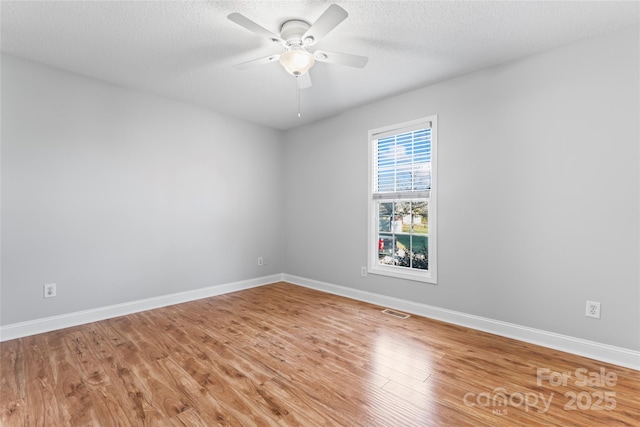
363,271
265,260
593,309
260,261
50,290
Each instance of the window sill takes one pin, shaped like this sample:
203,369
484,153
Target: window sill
398,273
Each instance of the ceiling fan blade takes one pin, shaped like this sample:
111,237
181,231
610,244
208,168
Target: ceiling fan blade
247,23
259,61
304,80
330,19
341,58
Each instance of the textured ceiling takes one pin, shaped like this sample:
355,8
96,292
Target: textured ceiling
186,50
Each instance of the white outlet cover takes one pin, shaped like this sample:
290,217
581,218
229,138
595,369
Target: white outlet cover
593,309
49,290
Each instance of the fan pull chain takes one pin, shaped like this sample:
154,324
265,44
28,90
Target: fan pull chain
298,93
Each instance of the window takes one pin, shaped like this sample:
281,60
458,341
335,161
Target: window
402,200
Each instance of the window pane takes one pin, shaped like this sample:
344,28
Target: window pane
386,248
420,252
384,217
420,217
403,230
401,210
419,238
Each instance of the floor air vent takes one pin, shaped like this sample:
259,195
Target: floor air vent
395,313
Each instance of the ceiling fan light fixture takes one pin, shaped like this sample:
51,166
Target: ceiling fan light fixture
296,61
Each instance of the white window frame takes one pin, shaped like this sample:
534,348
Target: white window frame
373,266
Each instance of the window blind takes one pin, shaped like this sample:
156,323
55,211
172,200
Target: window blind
403,164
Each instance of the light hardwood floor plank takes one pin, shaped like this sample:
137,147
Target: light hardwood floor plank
41,395
12,384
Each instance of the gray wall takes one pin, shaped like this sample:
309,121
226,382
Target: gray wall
538,197
118,196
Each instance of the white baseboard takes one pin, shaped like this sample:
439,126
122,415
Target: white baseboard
594,350
47,324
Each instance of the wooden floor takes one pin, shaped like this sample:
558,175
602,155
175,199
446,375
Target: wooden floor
289,356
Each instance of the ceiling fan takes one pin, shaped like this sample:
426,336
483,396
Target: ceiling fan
297,37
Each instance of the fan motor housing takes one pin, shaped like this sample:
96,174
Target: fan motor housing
293,30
